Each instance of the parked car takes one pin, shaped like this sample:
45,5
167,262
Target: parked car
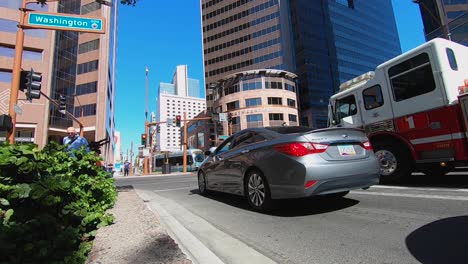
271,163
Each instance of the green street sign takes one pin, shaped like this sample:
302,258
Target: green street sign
70,22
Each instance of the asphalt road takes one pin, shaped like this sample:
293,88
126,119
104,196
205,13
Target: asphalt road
415,222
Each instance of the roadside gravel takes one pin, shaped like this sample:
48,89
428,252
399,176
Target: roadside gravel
136,236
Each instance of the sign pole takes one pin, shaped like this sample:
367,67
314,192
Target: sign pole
185,142
16,72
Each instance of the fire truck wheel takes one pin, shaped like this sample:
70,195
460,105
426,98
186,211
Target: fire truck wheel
395,162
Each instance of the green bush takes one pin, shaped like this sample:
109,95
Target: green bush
51,204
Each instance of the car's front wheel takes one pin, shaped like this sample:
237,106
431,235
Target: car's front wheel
257,191
202,183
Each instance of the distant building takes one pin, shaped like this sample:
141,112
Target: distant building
445,18
257,98
323,42
176,99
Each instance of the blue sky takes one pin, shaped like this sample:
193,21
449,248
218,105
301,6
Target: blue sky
164,34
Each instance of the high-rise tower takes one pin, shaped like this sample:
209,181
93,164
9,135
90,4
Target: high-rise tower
324,42
445,18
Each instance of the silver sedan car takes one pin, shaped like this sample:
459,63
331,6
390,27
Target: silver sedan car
270,163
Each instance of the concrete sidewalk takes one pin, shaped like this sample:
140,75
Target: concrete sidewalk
136,236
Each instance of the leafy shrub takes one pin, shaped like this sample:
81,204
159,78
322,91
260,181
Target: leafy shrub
51,204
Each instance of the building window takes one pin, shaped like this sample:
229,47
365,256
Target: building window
232,105
275,100
86,88
88,8
5,76
289,87
348,3
273,85
275,116
251,86
87,67
292,118
291,103
231,89
88,46
85,110
254,120
253,102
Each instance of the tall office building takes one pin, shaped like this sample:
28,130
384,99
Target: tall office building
323,42
176,98
445,18
78,65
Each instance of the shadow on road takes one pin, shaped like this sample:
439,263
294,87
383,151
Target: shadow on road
287,207
447,181
442,241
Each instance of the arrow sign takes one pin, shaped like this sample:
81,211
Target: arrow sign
69,22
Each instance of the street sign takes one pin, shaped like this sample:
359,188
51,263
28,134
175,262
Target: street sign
18,109
222,117
70,22
170,121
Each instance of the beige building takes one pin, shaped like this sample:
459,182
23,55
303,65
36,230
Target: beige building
256,98
78,65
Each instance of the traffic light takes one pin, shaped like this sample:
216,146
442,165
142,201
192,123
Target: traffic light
143,139
31,81
230,118
63,104
177,121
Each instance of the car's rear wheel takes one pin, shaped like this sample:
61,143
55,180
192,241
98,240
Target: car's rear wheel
257,191
202,183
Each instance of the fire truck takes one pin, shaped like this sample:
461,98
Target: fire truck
414,109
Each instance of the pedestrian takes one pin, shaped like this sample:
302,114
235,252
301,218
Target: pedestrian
74,141
126,167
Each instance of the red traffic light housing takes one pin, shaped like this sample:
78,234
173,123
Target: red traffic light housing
177,120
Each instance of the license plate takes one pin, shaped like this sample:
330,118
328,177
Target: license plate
346,150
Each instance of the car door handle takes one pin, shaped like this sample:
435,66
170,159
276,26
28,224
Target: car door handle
245,151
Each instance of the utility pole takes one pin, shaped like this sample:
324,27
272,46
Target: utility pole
145,158
16,72
185,143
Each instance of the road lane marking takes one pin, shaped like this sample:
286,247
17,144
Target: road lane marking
425,196
175,189
420,188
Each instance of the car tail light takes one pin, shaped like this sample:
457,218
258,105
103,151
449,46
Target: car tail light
367,145
300,149
309,184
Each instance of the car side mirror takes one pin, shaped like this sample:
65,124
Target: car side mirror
207,153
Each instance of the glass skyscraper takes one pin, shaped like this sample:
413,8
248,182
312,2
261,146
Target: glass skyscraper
324,42
446,19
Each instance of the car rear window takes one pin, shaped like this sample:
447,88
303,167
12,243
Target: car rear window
290,129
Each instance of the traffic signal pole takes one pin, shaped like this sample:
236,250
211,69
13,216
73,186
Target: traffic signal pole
16,72
66,113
